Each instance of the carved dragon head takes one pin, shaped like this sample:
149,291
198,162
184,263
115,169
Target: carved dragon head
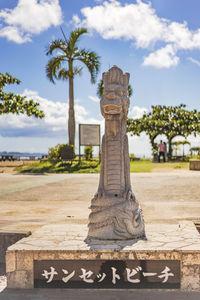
115,101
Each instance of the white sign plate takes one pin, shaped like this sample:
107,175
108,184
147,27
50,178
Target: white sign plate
89,135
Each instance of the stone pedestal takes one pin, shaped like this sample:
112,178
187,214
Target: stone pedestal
177,244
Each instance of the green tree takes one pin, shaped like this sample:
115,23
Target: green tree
171,121
16,104
56,151
149,126
61,66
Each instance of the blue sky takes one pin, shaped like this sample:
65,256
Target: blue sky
157,42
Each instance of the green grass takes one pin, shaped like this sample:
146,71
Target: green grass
140,166
93,166
148,166
172,165
60,167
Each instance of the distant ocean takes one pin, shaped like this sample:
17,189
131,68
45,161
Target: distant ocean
22,154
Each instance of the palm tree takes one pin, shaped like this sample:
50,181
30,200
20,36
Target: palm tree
61,66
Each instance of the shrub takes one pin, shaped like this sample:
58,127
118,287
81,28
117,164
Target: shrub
88,150
55,152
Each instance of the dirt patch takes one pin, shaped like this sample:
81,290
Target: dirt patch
9,166
164,197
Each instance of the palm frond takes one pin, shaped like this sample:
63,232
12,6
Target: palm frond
100,88
74,37
63,74
53,66
91,60
77,70
71,52
57,45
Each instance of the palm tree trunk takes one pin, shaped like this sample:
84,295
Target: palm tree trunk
71,119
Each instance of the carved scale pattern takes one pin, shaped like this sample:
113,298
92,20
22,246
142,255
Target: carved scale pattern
113,167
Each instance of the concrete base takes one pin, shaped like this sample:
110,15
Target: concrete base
195,164
68,242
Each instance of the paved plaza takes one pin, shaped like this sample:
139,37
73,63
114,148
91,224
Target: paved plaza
31,201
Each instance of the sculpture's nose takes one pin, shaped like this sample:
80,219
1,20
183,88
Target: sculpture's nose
112,109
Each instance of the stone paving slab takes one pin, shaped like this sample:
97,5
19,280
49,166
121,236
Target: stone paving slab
163,237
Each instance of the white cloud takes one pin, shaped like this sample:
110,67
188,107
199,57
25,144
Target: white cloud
112,20
76,20
195,61
138,22
180,35
28,18
137,112
162,58
94,99
140,145
13,34
53,125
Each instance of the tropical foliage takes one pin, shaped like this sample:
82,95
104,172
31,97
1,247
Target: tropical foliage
171,121
54,153
62,67
16,104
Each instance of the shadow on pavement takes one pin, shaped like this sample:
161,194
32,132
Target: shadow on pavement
69,294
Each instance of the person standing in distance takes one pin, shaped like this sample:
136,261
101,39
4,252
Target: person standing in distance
161,151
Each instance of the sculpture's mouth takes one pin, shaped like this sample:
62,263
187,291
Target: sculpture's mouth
112,109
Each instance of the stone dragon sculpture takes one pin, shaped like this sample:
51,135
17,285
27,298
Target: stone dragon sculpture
115,212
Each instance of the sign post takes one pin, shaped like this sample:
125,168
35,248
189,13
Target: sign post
89,135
